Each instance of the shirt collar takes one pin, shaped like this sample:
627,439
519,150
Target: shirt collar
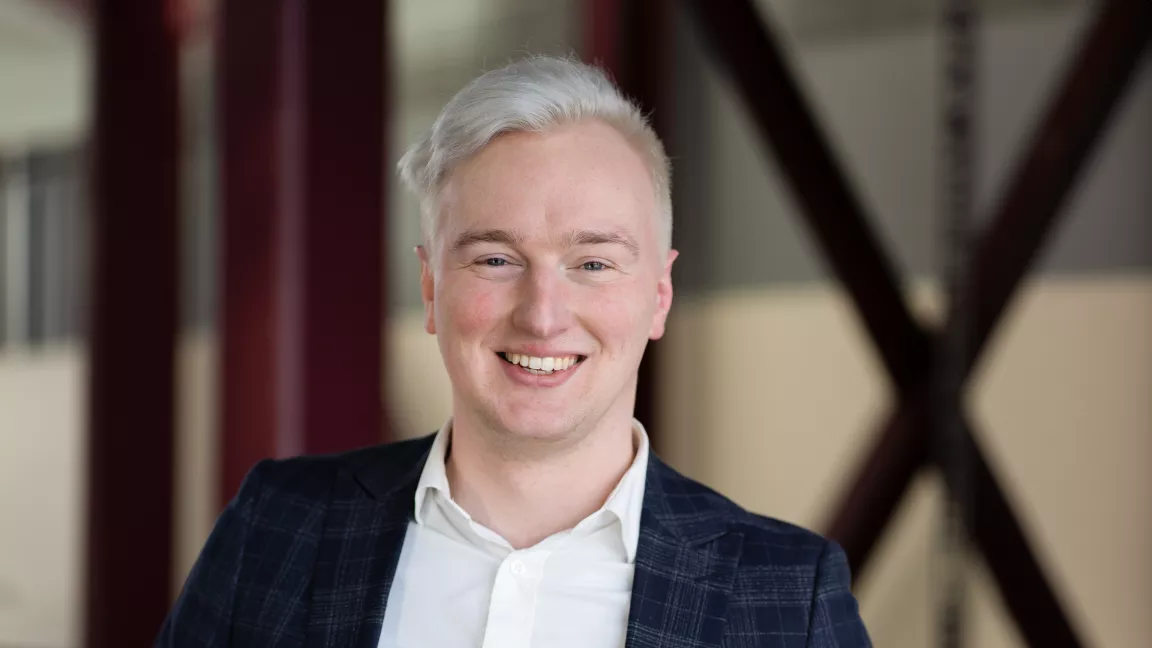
626,501
435,475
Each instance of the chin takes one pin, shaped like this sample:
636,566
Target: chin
538,424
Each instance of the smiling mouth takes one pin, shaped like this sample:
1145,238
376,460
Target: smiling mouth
541,366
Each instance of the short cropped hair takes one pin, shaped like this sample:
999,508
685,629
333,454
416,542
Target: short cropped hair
529,95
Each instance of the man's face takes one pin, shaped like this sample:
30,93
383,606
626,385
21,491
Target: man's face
547,255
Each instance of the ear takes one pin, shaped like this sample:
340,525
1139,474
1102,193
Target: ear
663,298
427,289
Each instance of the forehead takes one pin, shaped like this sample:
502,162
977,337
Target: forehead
582,175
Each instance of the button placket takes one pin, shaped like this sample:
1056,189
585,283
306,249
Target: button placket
512,611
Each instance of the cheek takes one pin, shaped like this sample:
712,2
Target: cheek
619,317
468,309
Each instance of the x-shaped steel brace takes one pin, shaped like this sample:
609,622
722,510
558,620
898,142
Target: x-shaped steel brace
1108,57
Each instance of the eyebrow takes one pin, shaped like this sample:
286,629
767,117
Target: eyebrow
594,237
576,238
473,237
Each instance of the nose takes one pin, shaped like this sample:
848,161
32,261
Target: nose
543,310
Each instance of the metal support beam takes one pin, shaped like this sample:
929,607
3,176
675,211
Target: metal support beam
1062,145
876,488
1066,137
748,50
755,62
1072,125
250,48
133,323
340,252
303,88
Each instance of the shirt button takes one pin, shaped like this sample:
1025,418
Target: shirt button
517,568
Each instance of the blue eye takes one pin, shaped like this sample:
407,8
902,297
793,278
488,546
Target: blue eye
495,262
594,265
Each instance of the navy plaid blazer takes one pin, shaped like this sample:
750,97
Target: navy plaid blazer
306,552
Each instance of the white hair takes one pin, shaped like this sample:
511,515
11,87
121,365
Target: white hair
530,95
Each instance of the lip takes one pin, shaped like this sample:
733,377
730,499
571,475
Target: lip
521,377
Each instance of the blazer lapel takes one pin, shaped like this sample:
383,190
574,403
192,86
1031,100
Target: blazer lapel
363,535
685,564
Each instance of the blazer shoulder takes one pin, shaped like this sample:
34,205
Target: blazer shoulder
696,505
772,544
762,528
766,538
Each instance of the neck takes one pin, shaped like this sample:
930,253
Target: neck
526,496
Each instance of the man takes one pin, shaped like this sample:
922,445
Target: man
537,517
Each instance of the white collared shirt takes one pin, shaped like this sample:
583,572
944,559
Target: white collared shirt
459,584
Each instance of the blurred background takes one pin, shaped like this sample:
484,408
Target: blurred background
205,259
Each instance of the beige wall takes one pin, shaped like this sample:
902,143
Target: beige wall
41,482
43,65
43,396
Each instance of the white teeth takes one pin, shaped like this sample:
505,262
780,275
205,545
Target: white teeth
541,366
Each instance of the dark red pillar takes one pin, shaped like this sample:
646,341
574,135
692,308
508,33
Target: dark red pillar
132,323
302,103
251,128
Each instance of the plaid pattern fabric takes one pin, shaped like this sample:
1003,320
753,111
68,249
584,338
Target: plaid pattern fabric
305,554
